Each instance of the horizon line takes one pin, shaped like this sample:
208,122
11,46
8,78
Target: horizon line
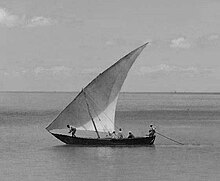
141,92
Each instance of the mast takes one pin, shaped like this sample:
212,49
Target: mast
93,122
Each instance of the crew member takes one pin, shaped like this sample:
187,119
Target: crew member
120,134
130,135
72,130
113,135
152,131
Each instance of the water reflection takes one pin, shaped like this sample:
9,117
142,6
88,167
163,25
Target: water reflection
100,152
105,162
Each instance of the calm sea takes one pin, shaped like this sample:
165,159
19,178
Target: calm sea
29,152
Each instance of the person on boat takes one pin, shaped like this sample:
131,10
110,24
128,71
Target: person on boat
113,135
152,131
130,135
120,134
109,135
72,130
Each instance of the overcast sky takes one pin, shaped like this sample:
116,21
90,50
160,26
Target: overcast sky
54,45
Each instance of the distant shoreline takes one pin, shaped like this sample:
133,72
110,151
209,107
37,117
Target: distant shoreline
120,92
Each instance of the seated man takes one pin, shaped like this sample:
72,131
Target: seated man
113,135
130,135
72,130
120,134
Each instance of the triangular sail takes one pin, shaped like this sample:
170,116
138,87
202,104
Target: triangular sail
101,96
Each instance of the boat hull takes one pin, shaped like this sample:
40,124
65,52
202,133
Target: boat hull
139,141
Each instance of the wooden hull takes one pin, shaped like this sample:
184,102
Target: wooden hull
139,141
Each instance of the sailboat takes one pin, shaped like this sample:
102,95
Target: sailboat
93,109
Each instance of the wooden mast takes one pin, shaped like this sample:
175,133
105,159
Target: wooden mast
91,115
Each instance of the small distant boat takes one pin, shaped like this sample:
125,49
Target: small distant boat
93,109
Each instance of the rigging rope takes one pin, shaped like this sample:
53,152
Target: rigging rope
170,138
103,111
91,115
103,126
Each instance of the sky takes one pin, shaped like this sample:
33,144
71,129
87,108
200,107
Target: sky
53,45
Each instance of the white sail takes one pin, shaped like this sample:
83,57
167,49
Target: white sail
101,95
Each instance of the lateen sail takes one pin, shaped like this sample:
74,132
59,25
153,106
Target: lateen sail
101,95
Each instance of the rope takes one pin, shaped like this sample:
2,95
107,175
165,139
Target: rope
91,115
170,138
103,126
101,109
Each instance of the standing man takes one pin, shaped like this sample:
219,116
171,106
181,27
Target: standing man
152,131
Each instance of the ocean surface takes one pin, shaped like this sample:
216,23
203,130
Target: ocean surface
28,152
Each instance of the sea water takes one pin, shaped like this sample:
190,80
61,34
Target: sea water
29,152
